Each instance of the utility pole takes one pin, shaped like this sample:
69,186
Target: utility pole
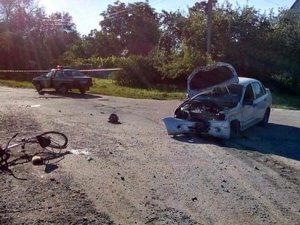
209,25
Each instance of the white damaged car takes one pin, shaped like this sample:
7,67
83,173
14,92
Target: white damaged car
220,103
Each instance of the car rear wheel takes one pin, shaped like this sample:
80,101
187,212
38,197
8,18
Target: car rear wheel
82,90
235,129
63,89
265,120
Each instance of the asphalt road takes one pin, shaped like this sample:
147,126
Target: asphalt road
136,174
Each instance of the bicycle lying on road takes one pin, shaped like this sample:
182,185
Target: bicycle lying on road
52,139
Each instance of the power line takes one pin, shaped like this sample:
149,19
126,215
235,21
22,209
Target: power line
125,11
275,3
209,26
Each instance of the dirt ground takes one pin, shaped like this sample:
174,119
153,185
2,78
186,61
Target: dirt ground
134,173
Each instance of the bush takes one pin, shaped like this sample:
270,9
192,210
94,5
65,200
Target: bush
96,62
137,71
286,84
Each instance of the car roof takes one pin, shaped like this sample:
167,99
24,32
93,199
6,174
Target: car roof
64,69
245,81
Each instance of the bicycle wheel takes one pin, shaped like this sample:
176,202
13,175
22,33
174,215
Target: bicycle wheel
57,140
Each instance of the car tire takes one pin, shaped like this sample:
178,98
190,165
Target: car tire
235,129
82,91
265,120
38,87
63,89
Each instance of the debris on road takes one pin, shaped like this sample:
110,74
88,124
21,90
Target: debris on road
33,106
113,118
79,151
89,158
37,160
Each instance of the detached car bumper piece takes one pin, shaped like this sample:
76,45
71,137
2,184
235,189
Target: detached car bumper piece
214,128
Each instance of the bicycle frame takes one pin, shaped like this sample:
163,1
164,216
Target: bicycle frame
44,140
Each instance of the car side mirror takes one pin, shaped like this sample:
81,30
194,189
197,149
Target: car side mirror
248,102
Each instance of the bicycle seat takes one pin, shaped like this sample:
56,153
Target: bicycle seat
43,141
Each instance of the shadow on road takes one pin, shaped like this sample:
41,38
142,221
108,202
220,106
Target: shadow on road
46,155
276,139
199,139
49,167
54,94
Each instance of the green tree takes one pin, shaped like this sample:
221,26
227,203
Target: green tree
135,24
101,44
172,25
38,40
285,41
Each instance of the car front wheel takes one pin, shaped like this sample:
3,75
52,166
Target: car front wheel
63,89
38,87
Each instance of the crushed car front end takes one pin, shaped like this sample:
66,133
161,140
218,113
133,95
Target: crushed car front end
206,114
214,128
214,100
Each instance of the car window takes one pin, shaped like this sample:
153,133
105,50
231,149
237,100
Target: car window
49,74
258,90
58,73
68,73
263,89
72,73
249,96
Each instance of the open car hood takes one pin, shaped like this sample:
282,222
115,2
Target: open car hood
208,77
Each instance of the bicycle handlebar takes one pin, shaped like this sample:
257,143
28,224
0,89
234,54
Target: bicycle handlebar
10,140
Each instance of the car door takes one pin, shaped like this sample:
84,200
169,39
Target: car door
57,79
260,101
248,109
69,77
46,81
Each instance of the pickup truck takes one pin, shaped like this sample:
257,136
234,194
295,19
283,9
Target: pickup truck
63,80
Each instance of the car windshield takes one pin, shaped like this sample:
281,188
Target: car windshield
233,90
227,96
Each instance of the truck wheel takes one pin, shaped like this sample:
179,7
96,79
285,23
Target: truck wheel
38,87
82,91
63,89
235,129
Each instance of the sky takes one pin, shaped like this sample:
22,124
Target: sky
86,13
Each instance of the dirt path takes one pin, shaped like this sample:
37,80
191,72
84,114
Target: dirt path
133,173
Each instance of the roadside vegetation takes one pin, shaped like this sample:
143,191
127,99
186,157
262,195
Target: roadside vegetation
157,50
285,101
109,87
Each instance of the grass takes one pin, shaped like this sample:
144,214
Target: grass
16,84
285,101
108,87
